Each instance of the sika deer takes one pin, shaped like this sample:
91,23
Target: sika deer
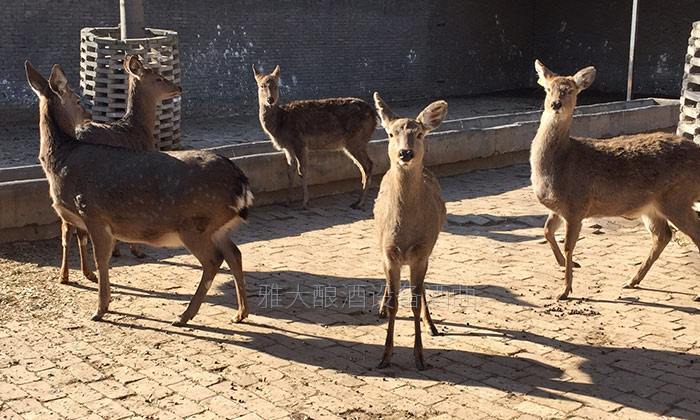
653,175
409,214
190,198
134,131
325,124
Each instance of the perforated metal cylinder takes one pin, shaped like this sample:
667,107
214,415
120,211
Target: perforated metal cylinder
689,124
104,82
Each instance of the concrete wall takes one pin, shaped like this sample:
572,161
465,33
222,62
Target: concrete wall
457,147
572,35
404,48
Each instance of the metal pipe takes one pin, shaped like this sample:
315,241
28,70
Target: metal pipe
132,21
633,40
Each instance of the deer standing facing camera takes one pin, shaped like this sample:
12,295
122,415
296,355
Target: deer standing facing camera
409,213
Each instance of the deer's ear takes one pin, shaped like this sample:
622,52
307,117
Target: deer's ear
133,66
256,73
584,77
431,117
58,82
276,72
386,115
543,72
37,82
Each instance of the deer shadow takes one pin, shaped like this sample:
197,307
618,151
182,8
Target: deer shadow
614,374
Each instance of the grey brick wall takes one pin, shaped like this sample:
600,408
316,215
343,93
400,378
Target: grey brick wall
405,49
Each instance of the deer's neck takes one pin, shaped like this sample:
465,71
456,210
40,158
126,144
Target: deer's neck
271,119
140,109
407,184
56,140
551,141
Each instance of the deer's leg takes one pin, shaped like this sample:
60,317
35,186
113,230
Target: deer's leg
573,228
136,251
361,158
102,241
205,251
66,234
418,304
303,159
234,259
383,306
291,164
84,260
116,252
680,212
550,228
392,269
660,235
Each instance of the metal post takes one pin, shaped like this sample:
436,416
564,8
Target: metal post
633,39
132,20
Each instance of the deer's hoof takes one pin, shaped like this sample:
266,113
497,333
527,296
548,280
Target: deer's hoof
116,253
139,254
433,331
563,295
697,298
91,276
357,205
383,364
179,323
420,364
97,316
630,285
63,278
239,317
577,265
382,314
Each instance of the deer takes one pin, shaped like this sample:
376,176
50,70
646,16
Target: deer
409,214
183,198
134,131
295,128
653,175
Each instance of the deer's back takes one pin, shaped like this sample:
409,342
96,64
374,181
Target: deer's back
329,123
116,134
143,194
622,175
409,225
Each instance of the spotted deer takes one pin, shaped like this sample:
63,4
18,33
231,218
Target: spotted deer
134,131
345,124
654,176
408,213
187,198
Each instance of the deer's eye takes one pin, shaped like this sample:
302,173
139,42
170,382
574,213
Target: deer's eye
391,135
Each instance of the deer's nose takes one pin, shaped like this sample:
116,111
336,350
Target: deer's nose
270,100
406,155
556,105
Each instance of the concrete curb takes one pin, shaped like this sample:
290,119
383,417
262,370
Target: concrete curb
497,140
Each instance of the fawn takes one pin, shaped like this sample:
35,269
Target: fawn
134,131
654,176
325,124
409,213
190,198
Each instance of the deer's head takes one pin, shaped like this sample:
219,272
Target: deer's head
148,81
406,135
268,86
562,91
60,101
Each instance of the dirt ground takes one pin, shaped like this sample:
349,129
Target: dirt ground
309,350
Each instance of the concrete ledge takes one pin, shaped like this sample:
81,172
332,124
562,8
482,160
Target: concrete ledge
458,146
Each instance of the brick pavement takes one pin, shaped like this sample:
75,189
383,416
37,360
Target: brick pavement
510,351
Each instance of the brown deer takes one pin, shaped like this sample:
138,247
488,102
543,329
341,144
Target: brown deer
409,213
325,124
654,176
134,131
188,198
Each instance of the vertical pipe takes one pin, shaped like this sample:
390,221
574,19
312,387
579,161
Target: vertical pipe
132,22
633,40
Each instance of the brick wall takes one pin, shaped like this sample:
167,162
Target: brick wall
405,49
